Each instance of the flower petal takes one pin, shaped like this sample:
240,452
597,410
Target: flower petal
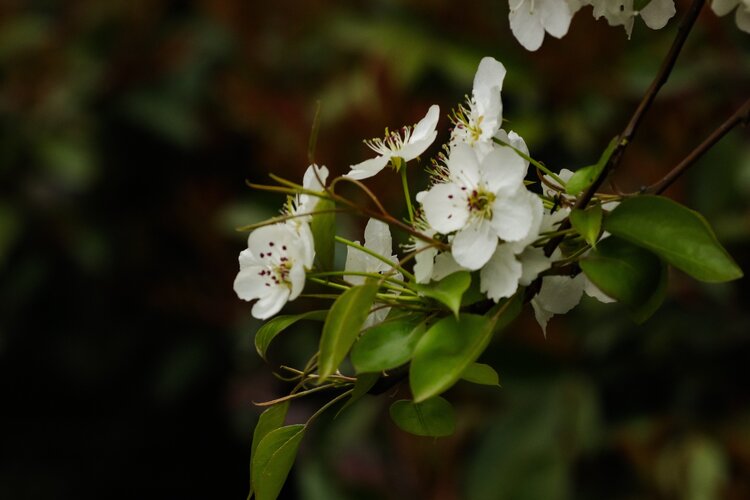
474,244
445,265
502,170
445,207
533,262
657,13
724,7
555,17
526,27
593,291
560,294
512,216
297,281
426,126
499,277
743,17
463,165
424,263
378,238
313,182
368,168
271,303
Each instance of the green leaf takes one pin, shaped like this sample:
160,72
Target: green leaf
343,323
585,177
323,227
387,345
448,290
479,373
679,235
269,420
627,273
652,304
447,349
363,384
273,460
588,223
433,417
275,326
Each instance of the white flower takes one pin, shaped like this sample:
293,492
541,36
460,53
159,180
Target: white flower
413,143
272,269
499,277
478,123
529,19
378,240
621,13
742,15
304,204
482,201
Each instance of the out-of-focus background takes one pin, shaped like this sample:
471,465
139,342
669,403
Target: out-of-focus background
127,131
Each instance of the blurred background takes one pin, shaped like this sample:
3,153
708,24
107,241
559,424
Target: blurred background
127,131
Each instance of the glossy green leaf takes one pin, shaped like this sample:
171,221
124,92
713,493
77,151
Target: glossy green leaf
447,349
448,290
323,227
275,326
588,223
679,235
479,373
584,177
273,460
433,417
626,272
342,326
652,304
269,420
387,345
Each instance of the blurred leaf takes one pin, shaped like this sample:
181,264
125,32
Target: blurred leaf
9,229
452,344
433,417
273,460
628,274
363,384
323,227
21,33
588,223
275,326
388,344
679,235
479,373
449,290
342,326
584,177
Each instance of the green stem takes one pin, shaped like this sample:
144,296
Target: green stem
401,285
328,283
407,196
328,405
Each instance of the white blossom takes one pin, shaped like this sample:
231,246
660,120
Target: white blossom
478,122
378,240
406,145
655,14
742,14
481,201
305,204
272,269
529,19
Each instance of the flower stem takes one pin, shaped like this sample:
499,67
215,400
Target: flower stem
407,196
376,255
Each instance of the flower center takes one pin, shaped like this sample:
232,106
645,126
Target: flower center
278,266
480,203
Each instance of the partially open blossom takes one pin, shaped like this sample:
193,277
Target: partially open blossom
313,180
406,145
742,14
272,269
481,201
529,19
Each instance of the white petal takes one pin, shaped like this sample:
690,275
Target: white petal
542,315
488,83
556,16
512,216
533,262
307,243
560,294
551,220
297,280
368,168
537,212
463,165
276,239
526,27
445,265
248,285
657,13
474,244
723,7
376,317
499,277
356,260
426,126
502,170
378,237
271,303
743,17
313,182
424,263
445,207
593,291
489,76
416,148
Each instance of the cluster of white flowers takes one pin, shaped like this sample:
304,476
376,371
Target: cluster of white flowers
530,19
478,208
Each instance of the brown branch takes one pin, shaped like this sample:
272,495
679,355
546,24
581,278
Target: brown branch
632,127
741,116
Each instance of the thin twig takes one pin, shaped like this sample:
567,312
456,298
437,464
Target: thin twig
741,116
632,127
